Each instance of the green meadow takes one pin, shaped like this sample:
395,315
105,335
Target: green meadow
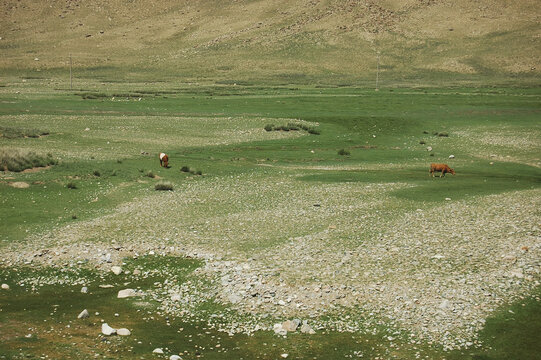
243,193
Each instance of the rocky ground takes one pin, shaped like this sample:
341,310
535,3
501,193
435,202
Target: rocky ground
344,256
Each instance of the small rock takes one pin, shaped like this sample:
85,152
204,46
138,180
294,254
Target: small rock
444,304
290,326
5,287
234,298
84,314
126,293
117,270
284,356
278,329
451,156
157,351
136,272
28,336
175,357
307,329
429,148
84,289
107,330
175,297
123,332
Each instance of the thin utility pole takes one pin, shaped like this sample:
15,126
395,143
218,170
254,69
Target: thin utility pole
71,81
377,75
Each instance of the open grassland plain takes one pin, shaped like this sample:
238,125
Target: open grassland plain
341,227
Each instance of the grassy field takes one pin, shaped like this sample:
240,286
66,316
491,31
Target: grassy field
351,209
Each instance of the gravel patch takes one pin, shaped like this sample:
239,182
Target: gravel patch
277,248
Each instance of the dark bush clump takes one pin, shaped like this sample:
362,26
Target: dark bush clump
269,127
343,152
71,185
163,186
185,169
97,173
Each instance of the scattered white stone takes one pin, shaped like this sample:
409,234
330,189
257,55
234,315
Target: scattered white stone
117,270
175,297
447,199
290,326
444,304
107,330
87,129
136,272
429,148
84,289
126,293
84,314
451,156
175,357
234,298
151,252
278,329
157,351
307,329
5,287
284,356
123,332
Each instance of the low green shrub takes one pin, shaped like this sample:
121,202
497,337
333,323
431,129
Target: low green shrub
185,169
150,174
163,186
71,185
97,173
292,127
343,152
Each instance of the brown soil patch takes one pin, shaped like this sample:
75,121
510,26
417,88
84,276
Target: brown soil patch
36,169
19,185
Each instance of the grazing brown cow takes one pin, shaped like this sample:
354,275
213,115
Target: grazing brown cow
164,160
443,168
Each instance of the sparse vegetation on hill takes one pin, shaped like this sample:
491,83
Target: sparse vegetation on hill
297,41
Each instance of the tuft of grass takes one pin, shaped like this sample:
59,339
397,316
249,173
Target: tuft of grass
269,127
71,185
163,186
185,169
97,173
343,152
150,174
74,216
16,161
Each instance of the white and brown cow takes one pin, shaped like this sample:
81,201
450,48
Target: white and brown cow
164,160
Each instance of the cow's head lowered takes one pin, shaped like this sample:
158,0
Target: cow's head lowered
164,160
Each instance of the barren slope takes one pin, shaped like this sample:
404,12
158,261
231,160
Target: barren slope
277,39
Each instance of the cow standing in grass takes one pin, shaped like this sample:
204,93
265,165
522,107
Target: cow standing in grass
164,160
443,168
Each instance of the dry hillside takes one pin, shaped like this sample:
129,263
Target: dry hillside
244,38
